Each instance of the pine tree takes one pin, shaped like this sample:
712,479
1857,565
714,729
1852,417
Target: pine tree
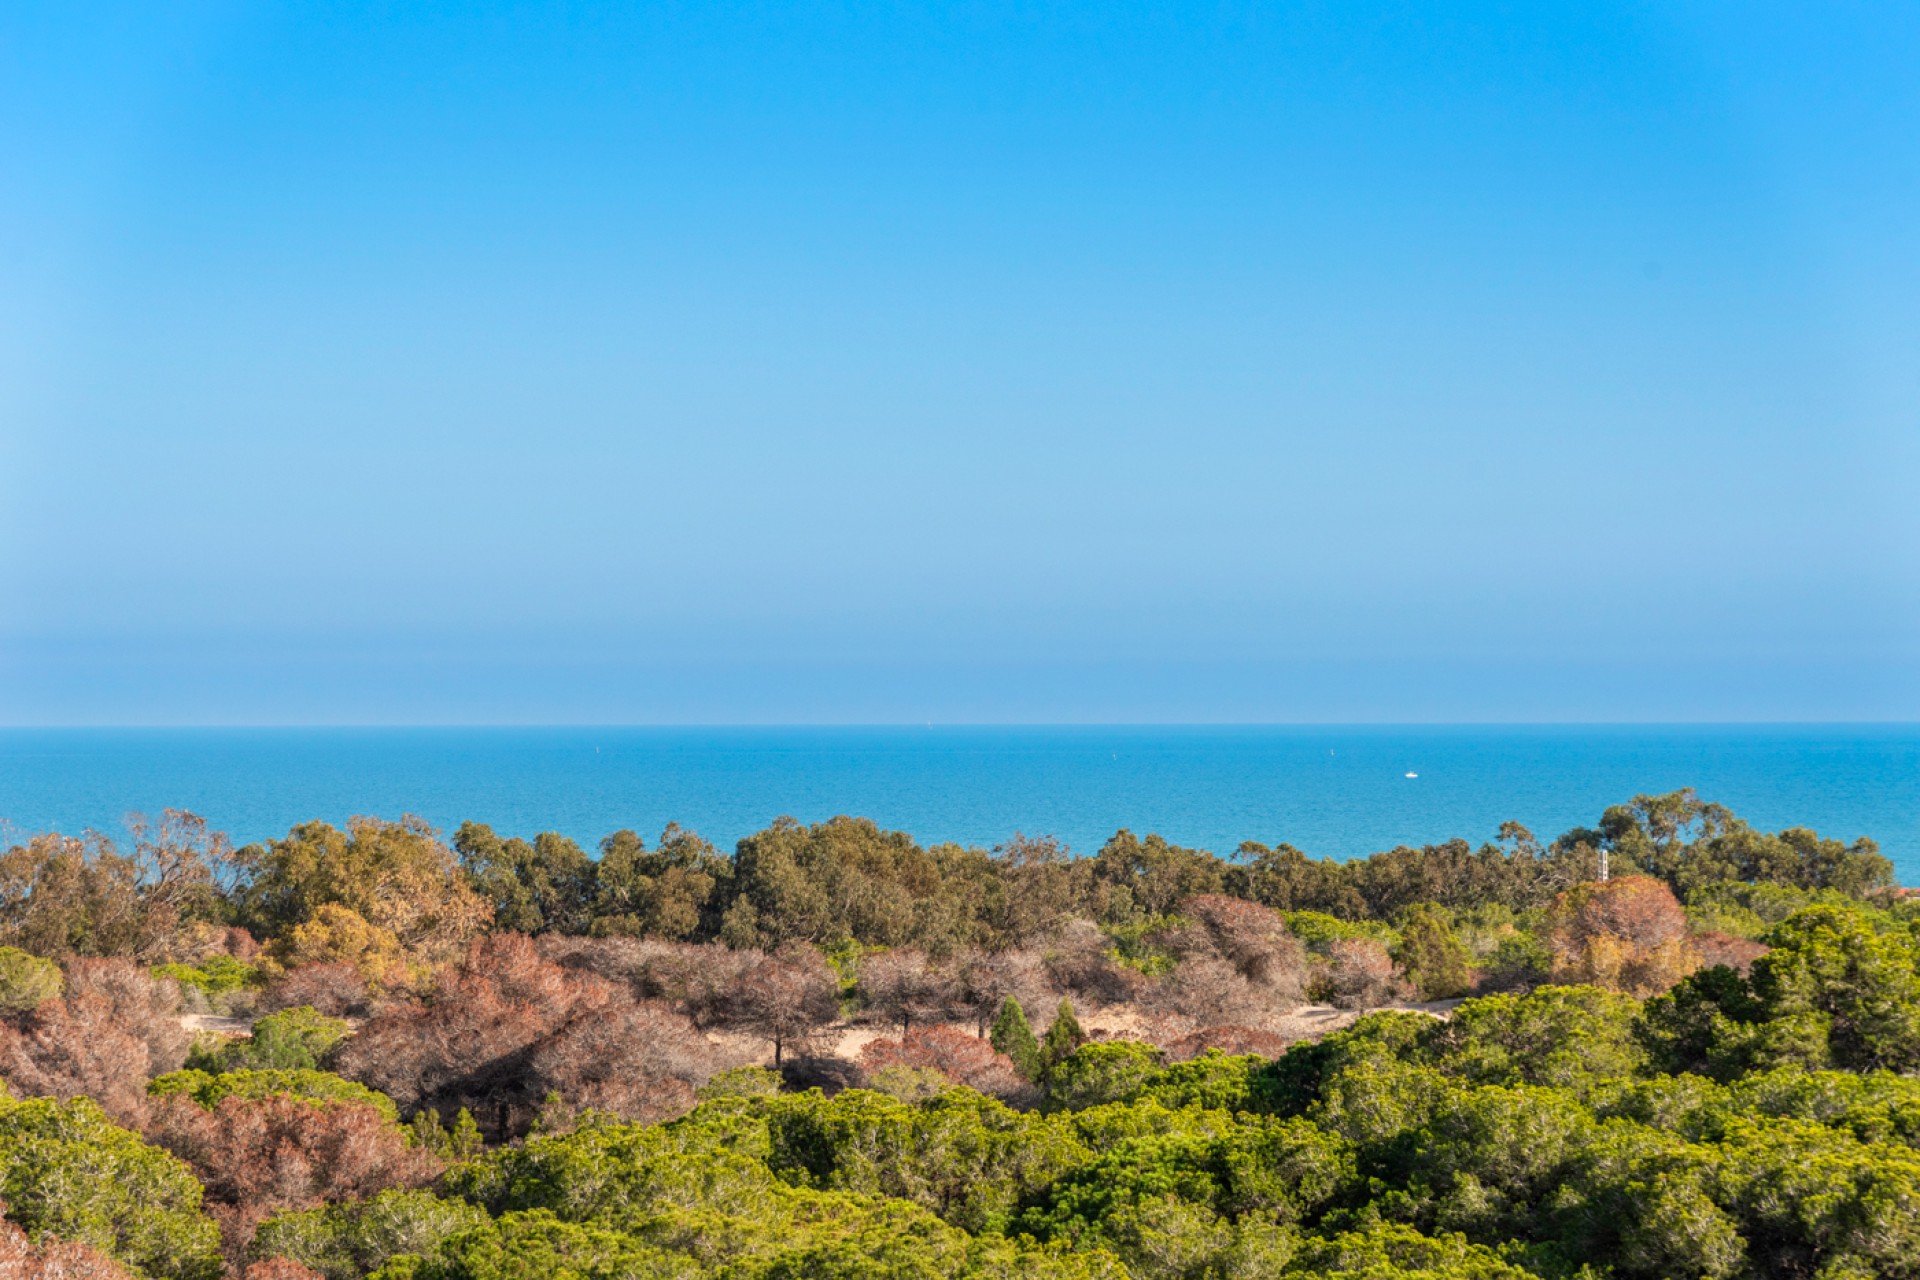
1063,1037
464,1143
1013,1036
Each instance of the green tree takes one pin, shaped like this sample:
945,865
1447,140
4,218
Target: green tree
347,1241
1062,1038
1094,1074
396,876
26,981
1013,1036
669,892
1150,877
67,1170
291,1040
1431,957
1831,992
546,886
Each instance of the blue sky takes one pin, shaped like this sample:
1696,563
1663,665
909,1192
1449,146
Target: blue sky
845,362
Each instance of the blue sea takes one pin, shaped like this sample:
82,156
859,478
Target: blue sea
1333,791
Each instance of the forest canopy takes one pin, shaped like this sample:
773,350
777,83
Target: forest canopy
1666,1045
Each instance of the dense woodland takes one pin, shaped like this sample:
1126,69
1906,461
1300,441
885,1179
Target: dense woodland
1670,1045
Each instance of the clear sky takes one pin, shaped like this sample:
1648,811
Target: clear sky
728,362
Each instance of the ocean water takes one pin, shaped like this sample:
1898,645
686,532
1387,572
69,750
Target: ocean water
1333,791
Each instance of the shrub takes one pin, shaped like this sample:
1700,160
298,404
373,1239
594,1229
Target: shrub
336,990
53,1259
960,1057
346,1241
67,1170
1108,1071
215,977
1432,960
1357,974
1627,934
1252,939
740,1082
321,1088
290,1040
114,1029
508,1026
339,935
910,1084
261,1154
26,981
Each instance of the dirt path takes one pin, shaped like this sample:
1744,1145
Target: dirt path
846,1040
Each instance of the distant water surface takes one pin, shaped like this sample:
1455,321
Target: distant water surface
1333,791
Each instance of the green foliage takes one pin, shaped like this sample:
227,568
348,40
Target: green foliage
540,1244
1108,1071
966,1157
1436,962
26,981
1571,1037
1690,843
215,976
1317,929
430,1133
740,1082
67,1170
909,1084
705,1186
345,1241
291,1040
1062,1038
1137,944
1832,992
1012,1036
544,886
321,1088
1386,1251
1519,961
1213,1081
673,891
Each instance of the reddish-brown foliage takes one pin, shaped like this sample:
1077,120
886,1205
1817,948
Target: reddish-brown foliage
1078,963
1358,975
507,1026
1206,990
53,1259
697,978
336,990
1737,954
67,1048
1227,1039
1251,938
641,1060
903,987
279,1269
146,1007
962,1058
115,1029
785,997
1627,934
260,1156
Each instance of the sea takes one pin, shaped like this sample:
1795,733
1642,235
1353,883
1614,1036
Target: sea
1334,791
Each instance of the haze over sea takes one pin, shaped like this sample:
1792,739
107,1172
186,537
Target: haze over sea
1338,791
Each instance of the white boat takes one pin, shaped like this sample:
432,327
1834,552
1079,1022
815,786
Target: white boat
1413,775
